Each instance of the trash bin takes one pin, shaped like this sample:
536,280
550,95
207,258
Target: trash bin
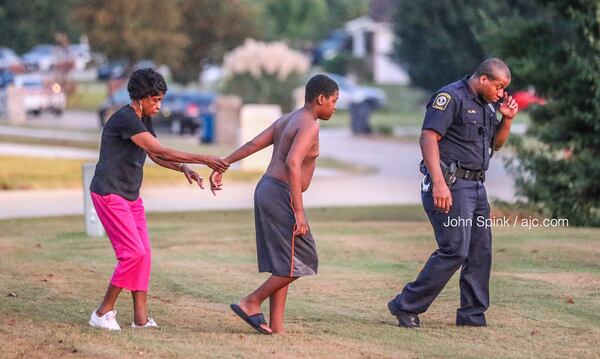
360,113
208,128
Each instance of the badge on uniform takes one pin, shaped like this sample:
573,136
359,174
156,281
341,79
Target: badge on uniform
441,101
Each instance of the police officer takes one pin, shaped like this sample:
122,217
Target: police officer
459,135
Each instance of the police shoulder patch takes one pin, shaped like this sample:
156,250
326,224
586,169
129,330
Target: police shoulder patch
441,101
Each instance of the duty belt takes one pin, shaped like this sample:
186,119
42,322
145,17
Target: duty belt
470,175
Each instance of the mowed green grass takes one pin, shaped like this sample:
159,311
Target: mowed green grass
405,107
25,173
545,291
88,96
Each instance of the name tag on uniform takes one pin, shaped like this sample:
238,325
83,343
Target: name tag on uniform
471,111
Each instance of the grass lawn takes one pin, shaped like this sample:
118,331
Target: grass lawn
405,107
24,173
88,97
544,289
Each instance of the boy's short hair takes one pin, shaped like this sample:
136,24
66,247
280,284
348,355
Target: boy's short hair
319,85
144,83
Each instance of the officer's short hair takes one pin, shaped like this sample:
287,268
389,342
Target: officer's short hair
319,85
491,67
144,83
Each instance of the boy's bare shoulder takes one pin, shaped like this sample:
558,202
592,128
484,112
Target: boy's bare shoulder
305,120
297,120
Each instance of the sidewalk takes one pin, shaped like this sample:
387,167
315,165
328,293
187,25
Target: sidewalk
15,149
397,180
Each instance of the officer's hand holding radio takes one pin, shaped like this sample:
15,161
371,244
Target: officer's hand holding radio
508,107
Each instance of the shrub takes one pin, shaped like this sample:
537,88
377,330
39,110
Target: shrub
262,72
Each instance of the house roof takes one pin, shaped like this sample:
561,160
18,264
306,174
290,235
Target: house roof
382,10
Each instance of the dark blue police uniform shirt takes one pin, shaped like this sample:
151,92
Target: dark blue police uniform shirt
466,123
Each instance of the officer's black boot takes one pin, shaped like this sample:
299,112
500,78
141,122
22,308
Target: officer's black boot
405,319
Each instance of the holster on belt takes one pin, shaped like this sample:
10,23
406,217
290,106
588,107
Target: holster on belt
448,171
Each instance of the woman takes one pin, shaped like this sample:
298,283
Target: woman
127,138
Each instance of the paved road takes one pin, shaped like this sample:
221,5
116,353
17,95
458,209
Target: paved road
14,149
395,182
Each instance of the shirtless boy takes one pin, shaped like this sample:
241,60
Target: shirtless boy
284,243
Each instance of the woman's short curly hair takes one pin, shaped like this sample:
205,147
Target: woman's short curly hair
144,83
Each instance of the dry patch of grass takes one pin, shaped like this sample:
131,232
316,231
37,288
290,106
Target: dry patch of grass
204,261
560,278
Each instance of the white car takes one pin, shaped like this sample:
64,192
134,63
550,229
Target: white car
352,93
80,56
10,61
41,94
41,58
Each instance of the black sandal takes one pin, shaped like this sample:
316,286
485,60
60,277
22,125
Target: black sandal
255,321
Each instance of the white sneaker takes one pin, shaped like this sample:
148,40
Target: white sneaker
107,321
150,324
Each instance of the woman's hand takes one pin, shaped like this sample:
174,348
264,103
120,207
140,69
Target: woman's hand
216,163
192,176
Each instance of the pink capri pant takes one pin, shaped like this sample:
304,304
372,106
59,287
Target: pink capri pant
125,225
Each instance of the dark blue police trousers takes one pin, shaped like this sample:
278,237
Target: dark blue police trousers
462,244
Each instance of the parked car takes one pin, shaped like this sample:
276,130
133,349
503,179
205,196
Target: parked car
333,45
2,102
41,94
144,64
112,103
9,61
6,78
352,93
181,112
41,57
80,56
113,69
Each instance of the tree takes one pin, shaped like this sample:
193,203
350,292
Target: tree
134,29
436,40
214,27
24,24
555,46
307,21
